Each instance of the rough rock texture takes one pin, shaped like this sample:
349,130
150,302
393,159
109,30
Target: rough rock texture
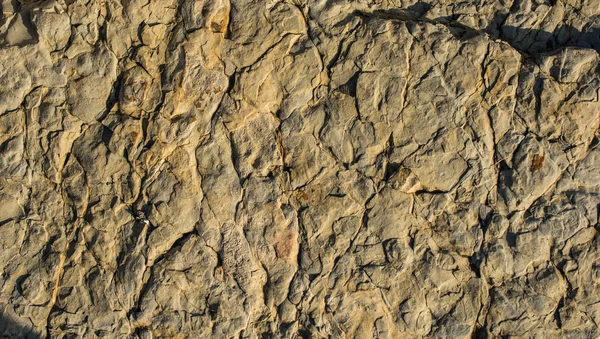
299,169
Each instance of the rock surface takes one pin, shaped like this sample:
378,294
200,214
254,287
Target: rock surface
299,169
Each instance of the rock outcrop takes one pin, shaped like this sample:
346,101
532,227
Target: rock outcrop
299,169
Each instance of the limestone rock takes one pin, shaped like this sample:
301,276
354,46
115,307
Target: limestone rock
299,169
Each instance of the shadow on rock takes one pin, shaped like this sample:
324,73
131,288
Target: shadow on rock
536,41
9,329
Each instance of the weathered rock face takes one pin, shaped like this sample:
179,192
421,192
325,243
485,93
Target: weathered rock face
299,169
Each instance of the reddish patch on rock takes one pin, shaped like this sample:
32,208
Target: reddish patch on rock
301,195
537,162
286,246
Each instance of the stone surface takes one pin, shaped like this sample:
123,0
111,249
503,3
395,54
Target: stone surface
299,169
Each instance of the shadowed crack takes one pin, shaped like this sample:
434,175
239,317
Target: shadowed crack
527,41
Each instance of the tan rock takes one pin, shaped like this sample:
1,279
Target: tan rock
287,169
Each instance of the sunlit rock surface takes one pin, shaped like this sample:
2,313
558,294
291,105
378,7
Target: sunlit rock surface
299,169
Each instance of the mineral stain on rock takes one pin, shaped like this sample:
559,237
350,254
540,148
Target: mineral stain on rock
299,169
537,162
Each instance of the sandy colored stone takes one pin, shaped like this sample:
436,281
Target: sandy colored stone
299,169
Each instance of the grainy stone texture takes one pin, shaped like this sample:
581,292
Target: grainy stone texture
299,169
